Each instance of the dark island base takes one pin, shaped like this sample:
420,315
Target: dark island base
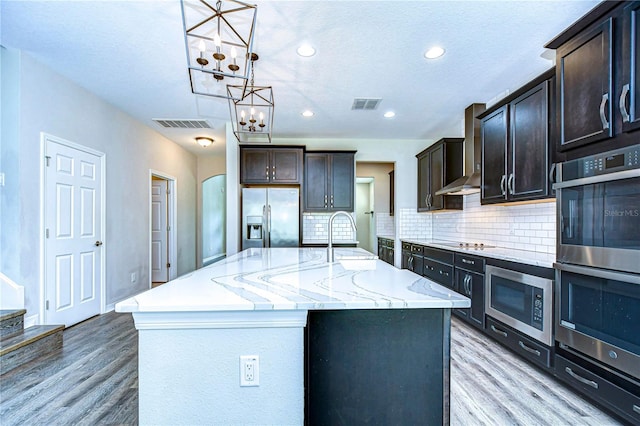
380,366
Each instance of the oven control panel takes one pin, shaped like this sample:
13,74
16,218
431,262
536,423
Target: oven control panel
608,162
537,308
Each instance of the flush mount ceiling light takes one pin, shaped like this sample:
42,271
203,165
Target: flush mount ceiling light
252,114
306,50
434,52
389,114
307,113
204,141
219,41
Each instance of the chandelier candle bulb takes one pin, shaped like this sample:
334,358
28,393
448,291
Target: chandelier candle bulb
242,122
261,120
251,118
218,55
234,66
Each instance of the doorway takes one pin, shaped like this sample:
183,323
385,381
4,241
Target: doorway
73,206
214,219
163,250
365,221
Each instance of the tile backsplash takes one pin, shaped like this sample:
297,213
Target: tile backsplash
385,225
315,226
525,227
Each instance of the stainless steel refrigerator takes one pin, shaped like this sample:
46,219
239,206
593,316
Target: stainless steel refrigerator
270,217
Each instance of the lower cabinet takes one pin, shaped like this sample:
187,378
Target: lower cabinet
438,266
469,280
607,388
531,350
412,258
386,250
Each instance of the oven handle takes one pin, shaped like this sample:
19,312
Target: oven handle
599,273
581,379
623,174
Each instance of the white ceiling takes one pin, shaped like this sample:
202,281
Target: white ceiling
132,54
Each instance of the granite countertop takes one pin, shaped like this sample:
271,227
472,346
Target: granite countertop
534,258
294,279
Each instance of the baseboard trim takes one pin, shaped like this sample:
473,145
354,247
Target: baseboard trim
31,320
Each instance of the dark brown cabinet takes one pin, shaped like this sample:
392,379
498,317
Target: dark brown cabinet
597,80
274,165
329,181
515,145
469,281
629,100
386,250
439,165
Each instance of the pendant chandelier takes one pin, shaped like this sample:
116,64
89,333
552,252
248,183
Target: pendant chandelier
219,40
252,113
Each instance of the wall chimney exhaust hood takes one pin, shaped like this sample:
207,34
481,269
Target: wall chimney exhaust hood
470,182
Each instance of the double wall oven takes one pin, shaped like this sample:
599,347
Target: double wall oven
598,258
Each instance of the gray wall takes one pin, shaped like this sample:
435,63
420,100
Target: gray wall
47,102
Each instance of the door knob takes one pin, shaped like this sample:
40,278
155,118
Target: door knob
98,243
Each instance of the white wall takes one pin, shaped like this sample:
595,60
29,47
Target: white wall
52,104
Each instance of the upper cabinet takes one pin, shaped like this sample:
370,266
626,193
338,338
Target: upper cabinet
515,145
273,165
329,181
597,79
439,165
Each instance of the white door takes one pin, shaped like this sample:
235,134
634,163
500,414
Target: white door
73,234
364,213
159,231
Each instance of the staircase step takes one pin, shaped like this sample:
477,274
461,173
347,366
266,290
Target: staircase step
11,321
26,345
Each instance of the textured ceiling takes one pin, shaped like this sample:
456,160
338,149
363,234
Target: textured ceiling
132,54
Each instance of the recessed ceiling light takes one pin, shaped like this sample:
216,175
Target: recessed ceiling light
434,52
306,50
389,114
307,113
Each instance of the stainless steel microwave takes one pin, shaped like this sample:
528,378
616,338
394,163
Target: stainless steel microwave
522,301
598,207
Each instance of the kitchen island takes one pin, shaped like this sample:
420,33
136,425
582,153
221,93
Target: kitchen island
348,342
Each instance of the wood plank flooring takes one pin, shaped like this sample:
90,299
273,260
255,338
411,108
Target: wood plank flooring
93,381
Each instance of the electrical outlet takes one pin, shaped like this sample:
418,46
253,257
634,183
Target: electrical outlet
134,277
249,370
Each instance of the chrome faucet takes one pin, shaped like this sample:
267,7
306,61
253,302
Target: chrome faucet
330,246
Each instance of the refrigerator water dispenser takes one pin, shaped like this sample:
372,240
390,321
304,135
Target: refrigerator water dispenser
254,227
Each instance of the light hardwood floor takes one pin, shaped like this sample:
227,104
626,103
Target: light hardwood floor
93,381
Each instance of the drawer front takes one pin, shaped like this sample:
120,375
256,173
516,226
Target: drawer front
438,272
519,343
470,263
613,396
439,255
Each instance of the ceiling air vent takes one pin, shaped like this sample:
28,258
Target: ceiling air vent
367,104
182,124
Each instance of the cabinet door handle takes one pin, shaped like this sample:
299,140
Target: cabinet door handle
273,172
502,181
623,103
331,200
603,117
528,349
511,184
581,379
267,171
552,173
325,201
495,330
636,408
467,284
